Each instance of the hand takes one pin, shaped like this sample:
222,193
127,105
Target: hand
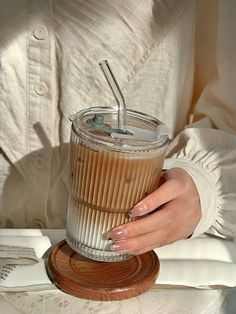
173,213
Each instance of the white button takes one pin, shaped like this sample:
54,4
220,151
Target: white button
39,224
40,162
40,88
40,32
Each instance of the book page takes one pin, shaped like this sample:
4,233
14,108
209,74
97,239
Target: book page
20,232
22,250
21,276
10,254
39,243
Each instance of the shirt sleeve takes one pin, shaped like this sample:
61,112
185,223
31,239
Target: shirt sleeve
209,156
207,148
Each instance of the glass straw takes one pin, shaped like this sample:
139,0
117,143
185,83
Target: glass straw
117,94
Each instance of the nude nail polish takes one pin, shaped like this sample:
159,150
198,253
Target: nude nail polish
119,246
138,211
116,233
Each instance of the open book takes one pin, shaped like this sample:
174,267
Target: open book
22,266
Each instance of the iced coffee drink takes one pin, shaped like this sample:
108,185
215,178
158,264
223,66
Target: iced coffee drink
110,173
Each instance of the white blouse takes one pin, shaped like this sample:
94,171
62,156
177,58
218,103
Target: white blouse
175,60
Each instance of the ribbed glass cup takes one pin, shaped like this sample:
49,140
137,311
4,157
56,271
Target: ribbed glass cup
108,177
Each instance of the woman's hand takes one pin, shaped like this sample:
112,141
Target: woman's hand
174,212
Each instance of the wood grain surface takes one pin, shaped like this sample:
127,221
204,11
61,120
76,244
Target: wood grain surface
101,281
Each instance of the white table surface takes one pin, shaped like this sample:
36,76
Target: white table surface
171,300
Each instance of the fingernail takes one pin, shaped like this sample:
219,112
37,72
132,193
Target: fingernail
119,246
116,233
138,210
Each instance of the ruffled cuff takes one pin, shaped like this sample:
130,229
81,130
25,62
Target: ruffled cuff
206,189
214,174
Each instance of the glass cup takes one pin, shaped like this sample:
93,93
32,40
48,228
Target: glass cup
110,172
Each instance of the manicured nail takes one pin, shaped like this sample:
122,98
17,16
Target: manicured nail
119,246
116,233
138,210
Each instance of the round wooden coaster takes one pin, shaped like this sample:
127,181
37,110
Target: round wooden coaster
101,281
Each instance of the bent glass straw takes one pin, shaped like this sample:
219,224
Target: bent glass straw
116,92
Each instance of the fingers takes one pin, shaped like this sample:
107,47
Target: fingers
136,241
157,220
177,213
172,188
147,224
146,242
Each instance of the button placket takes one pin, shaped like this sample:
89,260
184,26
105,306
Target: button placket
40,109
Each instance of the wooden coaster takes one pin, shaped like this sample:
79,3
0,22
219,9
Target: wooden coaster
101,281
